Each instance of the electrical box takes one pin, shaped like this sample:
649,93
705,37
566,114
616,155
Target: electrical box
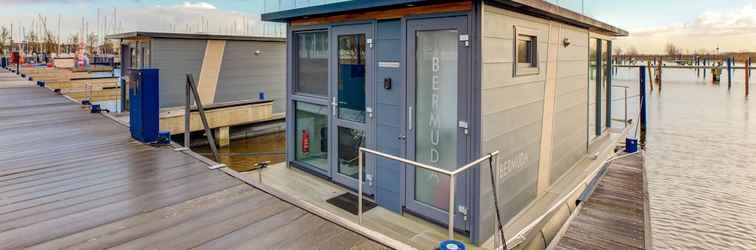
144,105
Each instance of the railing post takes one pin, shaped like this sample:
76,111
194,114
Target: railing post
187,116
359,185
451,206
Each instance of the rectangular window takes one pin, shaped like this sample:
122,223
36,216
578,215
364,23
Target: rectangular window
351,77
311,63
312,134
526,52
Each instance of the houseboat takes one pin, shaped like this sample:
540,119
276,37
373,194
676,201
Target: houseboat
444,83
227,68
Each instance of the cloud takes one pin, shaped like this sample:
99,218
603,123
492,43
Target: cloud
198,5
731,30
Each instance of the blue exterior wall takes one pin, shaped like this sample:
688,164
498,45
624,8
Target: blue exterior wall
388,112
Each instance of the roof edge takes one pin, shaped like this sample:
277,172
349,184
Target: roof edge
192,36
556,12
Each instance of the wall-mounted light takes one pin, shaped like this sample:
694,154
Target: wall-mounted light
566,42
258,52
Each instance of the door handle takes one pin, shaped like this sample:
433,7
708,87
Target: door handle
401,137
409,118
334,104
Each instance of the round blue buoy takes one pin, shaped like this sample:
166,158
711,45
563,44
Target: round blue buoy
261,96
451,245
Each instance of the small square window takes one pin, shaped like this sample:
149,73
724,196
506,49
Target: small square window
526,52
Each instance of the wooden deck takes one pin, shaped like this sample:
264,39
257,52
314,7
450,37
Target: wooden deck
71,179
615,216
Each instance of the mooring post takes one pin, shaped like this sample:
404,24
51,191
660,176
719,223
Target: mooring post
659,75
650,74
698,71
642,124
747,75
704,67
729,72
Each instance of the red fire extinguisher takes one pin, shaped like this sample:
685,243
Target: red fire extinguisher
305,141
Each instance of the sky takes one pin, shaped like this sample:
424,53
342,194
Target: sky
692,25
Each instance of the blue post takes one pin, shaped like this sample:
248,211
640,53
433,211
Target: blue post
729,71
643,106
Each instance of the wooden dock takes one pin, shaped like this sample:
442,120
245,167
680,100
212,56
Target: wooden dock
71,179
615,215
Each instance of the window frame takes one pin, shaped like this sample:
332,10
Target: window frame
525,69
295,63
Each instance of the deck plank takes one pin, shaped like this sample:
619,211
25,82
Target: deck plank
614,215
71,179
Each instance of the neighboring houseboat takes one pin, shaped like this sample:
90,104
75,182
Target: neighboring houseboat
444,83
226,68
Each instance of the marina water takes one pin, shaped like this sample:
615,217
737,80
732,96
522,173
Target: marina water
701,160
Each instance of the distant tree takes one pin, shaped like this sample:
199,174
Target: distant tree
32,41
4,39
91,43
618,50
632,51
671,49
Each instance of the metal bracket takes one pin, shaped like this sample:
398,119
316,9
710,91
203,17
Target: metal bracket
213,167
465,38
464,125
370,42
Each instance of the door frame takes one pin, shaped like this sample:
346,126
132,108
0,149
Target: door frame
464,90
367,127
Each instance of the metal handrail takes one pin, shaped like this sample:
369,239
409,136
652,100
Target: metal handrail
451,175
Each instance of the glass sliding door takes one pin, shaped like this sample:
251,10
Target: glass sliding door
437,73
350,100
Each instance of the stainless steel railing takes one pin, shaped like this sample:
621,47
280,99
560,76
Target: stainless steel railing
451,175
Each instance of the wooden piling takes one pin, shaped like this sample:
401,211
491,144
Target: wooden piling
650,75
747,75
729,72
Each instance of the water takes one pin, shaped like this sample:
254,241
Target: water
244,154
701,162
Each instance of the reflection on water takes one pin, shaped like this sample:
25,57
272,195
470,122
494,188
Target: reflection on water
244,154
701,162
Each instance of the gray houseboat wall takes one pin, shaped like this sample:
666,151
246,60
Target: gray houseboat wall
441,83
226,68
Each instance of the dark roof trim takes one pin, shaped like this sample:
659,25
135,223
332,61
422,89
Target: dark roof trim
552,11
137,34
533,7
353,5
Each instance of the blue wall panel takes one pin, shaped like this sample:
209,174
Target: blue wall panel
389,174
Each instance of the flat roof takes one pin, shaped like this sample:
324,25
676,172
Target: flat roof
192,36
533,7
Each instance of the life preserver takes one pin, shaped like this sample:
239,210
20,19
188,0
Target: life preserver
305,141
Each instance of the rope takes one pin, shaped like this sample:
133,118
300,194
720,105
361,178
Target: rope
496,202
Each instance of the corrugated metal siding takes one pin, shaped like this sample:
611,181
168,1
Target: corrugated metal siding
512,114
243,74
570,113
175,58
